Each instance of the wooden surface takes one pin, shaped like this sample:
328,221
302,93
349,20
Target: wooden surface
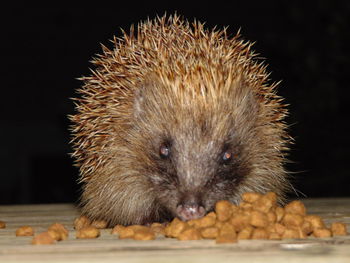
108,248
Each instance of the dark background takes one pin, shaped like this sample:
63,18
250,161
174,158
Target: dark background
44,49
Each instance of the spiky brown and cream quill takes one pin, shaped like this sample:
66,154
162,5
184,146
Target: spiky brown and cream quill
174,118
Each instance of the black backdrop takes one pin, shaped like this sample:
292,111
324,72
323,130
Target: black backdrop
44,49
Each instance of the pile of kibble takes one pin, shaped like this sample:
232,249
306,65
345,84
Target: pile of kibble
256,217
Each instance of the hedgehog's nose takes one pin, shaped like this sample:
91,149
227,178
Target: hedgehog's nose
190,208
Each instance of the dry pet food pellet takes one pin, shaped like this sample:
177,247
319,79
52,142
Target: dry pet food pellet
100,224
175,228
290,233
25,231
322,232
144,234
207,221
223,210
156,225
279,228
245,206
227,228
43,238
2,224
81,222
194,223
338,229
292,220
62,232
117,229
295,207
190,234
56,235
316,221
306,227
245,233
88,232
126,232
240,221
218,224
258,219
212,214
138,232
266,202
271,217
210,232
59,227
250,197
158,229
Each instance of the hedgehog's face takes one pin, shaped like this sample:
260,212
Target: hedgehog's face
195,157
195,169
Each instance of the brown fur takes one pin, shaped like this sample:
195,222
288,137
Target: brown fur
199,91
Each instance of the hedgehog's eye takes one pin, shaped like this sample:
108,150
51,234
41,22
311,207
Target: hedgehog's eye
226,157
164,150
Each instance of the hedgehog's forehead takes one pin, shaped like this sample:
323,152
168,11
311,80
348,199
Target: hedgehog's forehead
196,102
199,109
198,85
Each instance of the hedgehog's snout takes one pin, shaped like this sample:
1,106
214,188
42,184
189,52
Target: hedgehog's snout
190,207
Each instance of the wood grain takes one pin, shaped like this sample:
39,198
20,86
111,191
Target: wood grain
108,248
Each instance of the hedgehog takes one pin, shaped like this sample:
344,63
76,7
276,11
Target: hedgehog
173,118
